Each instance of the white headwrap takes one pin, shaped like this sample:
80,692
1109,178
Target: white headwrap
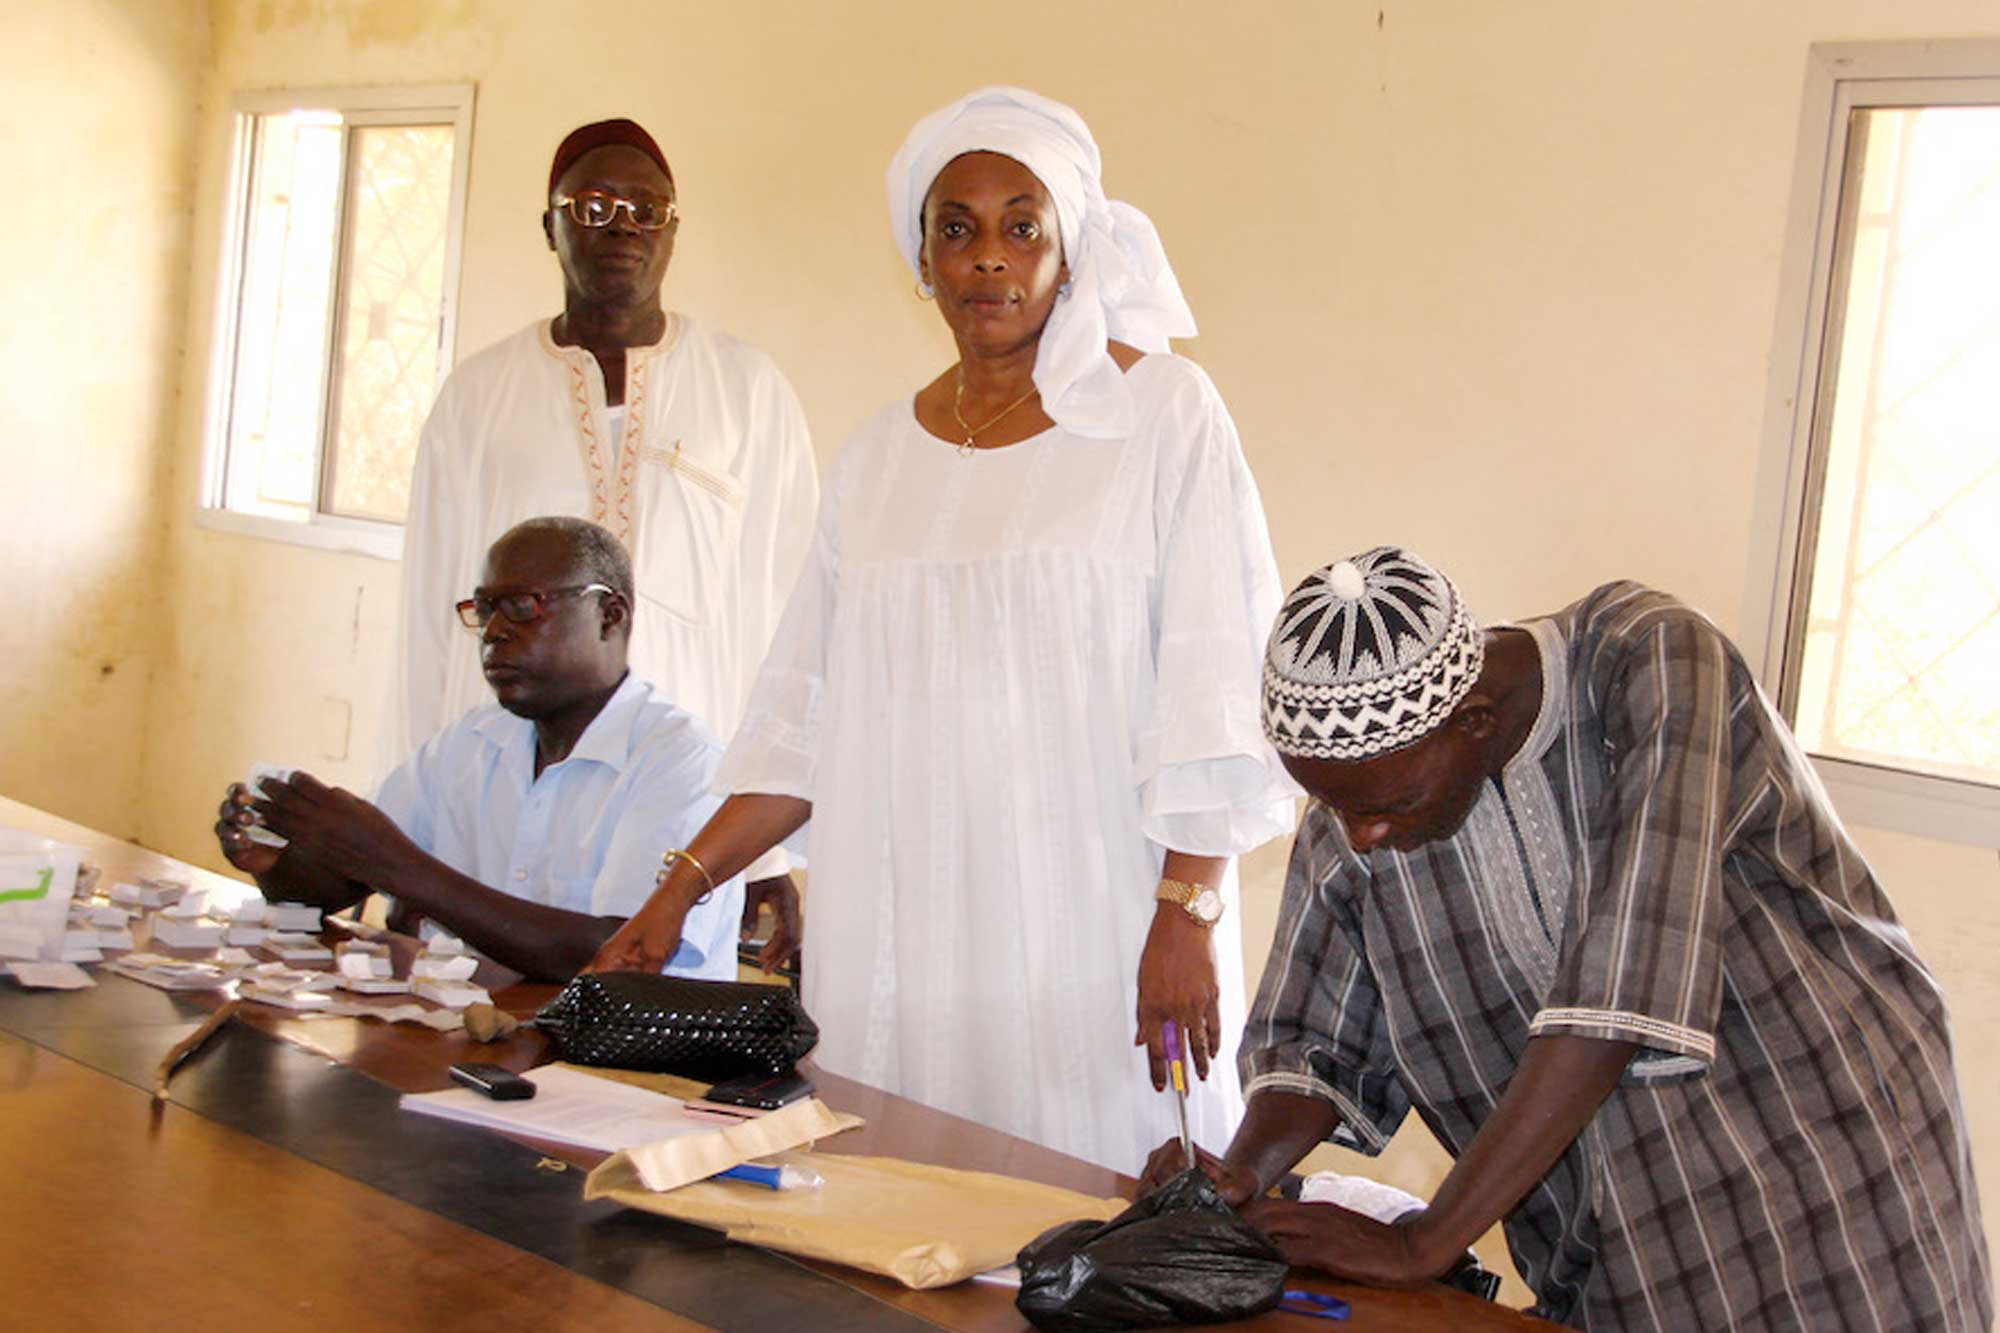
1121,285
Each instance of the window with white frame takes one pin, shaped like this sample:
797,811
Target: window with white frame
335,308
1881,504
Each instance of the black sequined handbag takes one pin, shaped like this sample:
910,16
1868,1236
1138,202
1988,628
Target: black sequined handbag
708,1030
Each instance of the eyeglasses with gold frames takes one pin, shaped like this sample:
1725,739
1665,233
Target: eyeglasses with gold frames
595,208
518,607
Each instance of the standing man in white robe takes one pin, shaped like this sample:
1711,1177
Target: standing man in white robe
689,445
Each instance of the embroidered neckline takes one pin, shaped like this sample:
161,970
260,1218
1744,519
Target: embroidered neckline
611,494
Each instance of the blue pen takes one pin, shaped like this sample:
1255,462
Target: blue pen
1313,1305
773,1177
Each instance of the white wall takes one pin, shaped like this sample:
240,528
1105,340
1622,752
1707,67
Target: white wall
92,269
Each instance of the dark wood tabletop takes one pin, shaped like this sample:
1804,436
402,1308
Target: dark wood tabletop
280,1187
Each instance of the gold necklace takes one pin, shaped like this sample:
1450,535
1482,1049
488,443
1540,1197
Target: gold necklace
958,412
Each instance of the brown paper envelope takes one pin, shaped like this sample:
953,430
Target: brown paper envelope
925,1226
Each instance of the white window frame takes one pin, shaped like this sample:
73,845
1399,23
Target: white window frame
441,103
1842,77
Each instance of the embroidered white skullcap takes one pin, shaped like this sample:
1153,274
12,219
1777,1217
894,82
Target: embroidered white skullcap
1121,285
1367,656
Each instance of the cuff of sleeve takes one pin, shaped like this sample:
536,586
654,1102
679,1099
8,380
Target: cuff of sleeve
1620,1025
770,865
1224,806
1355,1130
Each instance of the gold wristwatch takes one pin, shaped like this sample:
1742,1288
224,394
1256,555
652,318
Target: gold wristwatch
1197,900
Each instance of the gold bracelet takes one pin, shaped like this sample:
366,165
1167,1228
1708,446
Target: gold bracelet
672,854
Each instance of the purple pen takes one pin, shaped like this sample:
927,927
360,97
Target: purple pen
1171,1033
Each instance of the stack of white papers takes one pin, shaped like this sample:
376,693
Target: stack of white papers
183,933
81,946
172,973
298,948
569,1107
50,976
298,917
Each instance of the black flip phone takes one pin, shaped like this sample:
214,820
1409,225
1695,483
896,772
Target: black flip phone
502,1085
760,1092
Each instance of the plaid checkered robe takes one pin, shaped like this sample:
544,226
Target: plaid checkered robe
1658,864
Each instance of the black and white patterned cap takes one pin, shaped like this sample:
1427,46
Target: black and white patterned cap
1367,656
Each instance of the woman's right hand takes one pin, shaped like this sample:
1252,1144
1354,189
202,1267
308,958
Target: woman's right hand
1236,1184
233,823
649,939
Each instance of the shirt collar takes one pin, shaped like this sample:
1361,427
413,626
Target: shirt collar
607,740
670,336
1554,709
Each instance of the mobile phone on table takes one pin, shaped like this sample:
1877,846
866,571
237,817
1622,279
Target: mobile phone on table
753,1094
502,1085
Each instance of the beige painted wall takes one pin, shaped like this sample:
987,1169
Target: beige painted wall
92,268
1494,281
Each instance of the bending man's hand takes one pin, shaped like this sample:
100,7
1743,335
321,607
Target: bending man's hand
1237,1185
1177,982
782,896
1344,1243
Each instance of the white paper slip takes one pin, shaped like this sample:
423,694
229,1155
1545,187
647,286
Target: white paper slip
81,947
363,965
375,985
441,1020
108,916
246,936
258,772
295,917
450,994
233,958
298,948
443,945
457,968
160,892
285,999
178,934
188,906
191,976
120,938
51,976
569,1107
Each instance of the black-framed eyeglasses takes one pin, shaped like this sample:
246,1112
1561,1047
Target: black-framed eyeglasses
518,607
595,208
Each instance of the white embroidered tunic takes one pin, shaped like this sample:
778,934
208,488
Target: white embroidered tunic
1008,681
713,492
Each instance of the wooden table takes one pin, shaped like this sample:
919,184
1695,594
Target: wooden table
280,1187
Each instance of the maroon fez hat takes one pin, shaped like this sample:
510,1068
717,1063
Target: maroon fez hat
603,134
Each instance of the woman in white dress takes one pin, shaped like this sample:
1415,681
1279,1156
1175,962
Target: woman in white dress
1016,689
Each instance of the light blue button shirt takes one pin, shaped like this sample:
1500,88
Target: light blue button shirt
586,835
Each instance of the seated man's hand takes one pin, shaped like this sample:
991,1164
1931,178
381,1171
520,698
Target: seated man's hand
233,823
1339,1241
782,896
339,831
1237,1185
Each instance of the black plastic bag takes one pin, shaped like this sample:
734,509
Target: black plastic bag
1178,1256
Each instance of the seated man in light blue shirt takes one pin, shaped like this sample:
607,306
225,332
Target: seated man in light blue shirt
533,828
